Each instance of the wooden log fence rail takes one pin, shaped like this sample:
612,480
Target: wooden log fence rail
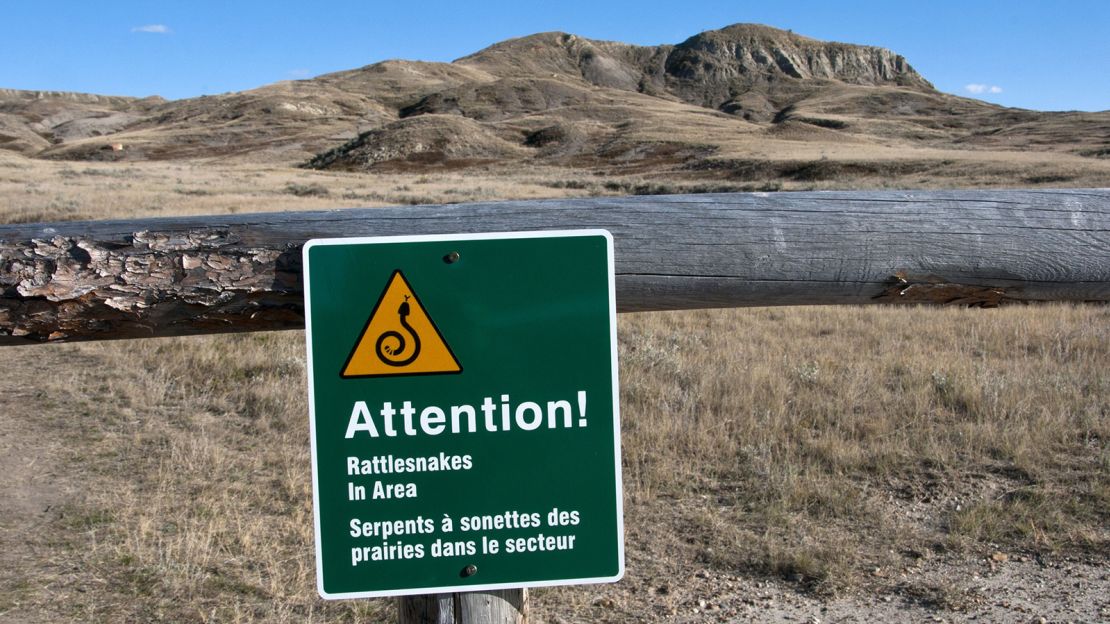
193,275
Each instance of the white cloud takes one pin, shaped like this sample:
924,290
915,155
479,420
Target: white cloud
979,89
298,74
158,29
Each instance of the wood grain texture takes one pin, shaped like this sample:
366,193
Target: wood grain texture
426,609
504,606
501,606
176,276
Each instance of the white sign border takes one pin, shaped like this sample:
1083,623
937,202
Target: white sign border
431,238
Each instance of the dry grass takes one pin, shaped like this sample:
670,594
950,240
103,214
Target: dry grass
197,507
829,447
822,440
35,191
814,445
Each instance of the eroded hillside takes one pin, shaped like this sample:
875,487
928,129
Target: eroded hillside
745,103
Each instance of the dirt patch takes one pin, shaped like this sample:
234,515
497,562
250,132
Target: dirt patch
41,487
1057,590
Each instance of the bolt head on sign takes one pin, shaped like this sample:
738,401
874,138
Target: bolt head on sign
463,412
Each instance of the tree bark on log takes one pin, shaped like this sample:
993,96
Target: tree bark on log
231,273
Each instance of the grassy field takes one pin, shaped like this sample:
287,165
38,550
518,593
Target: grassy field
835,450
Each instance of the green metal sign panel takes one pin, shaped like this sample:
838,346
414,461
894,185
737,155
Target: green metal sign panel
463,410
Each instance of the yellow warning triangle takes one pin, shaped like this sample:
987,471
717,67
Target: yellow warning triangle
400,338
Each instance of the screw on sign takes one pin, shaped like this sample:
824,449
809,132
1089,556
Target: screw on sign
448,376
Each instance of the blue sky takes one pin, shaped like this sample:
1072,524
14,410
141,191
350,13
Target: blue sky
1040,55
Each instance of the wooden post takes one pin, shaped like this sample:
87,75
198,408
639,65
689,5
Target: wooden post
500,606
426,609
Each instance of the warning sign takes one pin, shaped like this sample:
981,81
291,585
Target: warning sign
399,338
463,412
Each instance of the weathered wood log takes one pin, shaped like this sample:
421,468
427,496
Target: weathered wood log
426,609
503,606
191,275
500,606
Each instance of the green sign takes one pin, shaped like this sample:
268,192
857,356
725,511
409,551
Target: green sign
463,411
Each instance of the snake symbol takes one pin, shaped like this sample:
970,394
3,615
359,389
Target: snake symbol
391,354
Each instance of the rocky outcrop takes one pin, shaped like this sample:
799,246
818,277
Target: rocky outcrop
717,69
753,53
114,101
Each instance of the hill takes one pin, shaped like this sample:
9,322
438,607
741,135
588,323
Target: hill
744,103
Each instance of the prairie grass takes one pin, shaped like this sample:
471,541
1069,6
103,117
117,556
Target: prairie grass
40,191
811,444
822,440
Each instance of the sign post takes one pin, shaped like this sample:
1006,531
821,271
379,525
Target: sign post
463,411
